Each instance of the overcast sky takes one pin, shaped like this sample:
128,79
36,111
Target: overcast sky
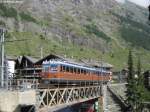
144,3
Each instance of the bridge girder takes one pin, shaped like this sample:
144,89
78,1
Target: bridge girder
59,97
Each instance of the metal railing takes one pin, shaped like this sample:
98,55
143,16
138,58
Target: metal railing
21,84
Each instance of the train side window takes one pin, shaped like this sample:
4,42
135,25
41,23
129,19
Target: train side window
87,72
82,71
67,68
64,68
75,70
61,68
78,70
71,69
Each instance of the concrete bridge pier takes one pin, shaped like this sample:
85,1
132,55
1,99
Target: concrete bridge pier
13,101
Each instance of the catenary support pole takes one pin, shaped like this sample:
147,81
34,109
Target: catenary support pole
2,57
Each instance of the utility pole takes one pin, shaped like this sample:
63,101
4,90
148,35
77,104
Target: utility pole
2,57
41,49
4,75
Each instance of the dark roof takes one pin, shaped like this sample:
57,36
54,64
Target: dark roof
31,59
49,57
90,63
97,63
19,59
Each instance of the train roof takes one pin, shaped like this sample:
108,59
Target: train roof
60,62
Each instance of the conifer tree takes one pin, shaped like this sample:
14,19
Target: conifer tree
131,96
140,86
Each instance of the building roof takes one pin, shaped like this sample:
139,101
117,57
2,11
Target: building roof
90,63
31,59
53,56
11,58
97,63
49,57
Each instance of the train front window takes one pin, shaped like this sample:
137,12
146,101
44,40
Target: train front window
54,67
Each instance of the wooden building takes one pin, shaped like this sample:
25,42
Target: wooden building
29,67
25,67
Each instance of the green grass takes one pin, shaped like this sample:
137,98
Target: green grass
11,12
32,47
117,57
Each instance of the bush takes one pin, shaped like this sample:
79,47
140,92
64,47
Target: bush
8,11
2,23
93,29
7,35
27,17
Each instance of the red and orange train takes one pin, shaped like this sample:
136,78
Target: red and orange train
62,71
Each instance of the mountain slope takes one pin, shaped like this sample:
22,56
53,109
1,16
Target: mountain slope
80,29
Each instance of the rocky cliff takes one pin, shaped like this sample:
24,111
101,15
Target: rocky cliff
80,29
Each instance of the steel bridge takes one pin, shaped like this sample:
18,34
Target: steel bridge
53,99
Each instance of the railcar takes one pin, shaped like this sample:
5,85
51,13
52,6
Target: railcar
63,71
